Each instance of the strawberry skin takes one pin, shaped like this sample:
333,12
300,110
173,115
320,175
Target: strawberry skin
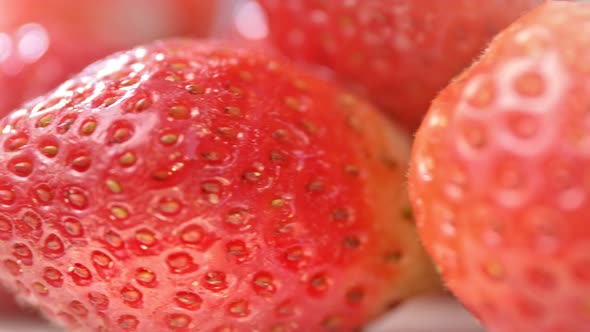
11,308
399,53
499,179
7,303
189,186
43,43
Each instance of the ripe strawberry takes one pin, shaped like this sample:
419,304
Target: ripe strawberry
43,43
9,306
183,186
398,52
499,178
6,302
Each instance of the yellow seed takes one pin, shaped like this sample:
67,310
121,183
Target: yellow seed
88,128
114,186
293,103
168,139
127,159
277,202
109,101
233,111
119,212
346,101
45,121
235,90
178,112
194,89
300,84
142,104
49,150
246,76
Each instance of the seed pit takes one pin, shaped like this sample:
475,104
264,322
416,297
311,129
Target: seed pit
53,277
239,308
21,166
128,322
131,296
188,300
145,277
98,301
263,284
178,321
80,275
215,281
181,263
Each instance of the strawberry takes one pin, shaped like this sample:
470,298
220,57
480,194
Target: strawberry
43,43
10,308
499,179
7,302
398,52
188,185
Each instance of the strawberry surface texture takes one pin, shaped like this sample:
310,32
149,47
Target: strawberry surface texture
191,186
499,178
400,53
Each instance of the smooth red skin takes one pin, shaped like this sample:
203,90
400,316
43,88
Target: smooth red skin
316,129
399,53
81,32
7,303
10,307
499,177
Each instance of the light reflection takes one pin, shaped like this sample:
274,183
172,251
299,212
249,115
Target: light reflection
33,42
5,46
250,21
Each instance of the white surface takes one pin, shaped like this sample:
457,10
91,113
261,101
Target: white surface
432,314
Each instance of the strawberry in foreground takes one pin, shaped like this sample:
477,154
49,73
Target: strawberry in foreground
187,185
7,303
11,308
399,53
499,178
42,43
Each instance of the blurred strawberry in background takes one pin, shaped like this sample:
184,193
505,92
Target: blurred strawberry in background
399,53
43,42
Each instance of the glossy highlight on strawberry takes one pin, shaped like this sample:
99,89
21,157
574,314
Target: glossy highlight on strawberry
190,185
499,176
399,53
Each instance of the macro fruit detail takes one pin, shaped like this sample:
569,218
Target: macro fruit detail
399,53
499,179
186,185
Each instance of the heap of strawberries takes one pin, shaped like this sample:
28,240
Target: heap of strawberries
209,185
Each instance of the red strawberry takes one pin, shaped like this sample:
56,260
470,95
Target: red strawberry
183,186
398,52
10,307
43,43
7,302
499,176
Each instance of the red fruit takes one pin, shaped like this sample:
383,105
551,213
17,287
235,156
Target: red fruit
398,52
184,185
499,176
9,306
7,302
42,43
